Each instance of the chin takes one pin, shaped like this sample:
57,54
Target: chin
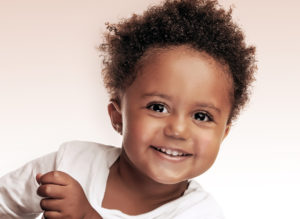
168,180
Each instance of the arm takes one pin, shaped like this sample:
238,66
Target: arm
63,197
18,198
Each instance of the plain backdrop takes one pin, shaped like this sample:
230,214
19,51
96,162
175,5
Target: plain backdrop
51,92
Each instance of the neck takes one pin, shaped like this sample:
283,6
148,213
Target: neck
143,187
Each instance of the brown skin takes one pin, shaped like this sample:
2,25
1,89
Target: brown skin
64,198
184,84
180,101
136,193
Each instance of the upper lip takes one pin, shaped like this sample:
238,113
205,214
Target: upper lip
171,148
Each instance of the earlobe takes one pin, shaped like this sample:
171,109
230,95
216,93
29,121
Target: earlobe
115,114
226,132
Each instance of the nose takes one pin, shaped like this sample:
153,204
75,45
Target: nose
177,127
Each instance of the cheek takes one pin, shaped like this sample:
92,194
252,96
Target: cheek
207,151
208,145
140,129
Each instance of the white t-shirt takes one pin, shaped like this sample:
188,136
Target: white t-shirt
89,164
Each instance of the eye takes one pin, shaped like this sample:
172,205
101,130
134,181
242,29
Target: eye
203,117
157,107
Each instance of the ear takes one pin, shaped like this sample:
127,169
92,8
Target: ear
115,114
227,129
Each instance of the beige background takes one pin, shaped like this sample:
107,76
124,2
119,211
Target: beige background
51,92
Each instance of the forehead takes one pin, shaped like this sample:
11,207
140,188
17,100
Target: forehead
157,53
158,57
181,72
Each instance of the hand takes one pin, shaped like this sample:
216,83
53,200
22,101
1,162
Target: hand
63,197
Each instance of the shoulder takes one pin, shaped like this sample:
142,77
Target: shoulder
83,154
87,162
85,149
197,203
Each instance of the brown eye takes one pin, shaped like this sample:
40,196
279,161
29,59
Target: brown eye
157,107
203,117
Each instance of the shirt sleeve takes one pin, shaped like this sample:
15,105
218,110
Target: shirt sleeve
18,189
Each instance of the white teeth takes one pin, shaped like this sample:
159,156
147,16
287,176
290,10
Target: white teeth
171,152
174,153
168,151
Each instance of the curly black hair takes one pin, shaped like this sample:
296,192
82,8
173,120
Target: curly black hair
201,24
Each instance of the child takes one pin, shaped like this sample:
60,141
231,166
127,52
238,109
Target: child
177,76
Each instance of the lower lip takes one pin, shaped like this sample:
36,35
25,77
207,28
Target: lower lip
169,157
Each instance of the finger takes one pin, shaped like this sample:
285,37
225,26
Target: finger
38,176
51,191
48,204
52,215
56,177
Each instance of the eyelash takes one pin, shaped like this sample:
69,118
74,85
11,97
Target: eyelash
208,117
150,106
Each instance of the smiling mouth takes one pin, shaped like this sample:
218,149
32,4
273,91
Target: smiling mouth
171,152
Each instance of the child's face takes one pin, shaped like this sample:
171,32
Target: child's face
179,103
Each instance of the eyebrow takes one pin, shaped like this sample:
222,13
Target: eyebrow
155,94
164,96
210,106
